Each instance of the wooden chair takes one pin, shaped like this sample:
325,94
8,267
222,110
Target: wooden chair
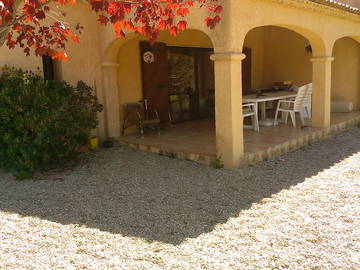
250,110
297,105
135,115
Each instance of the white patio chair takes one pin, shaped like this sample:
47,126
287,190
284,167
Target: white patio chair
307,108
296,105
250,110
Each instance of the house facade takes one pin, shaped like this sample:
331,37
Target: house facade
258,42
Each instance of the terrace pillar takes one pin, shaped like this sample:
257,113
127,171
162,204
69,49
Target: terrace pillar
111,98
228,109
321,91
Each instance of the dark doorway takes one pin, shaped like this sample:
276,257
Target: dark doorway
191,79
180,81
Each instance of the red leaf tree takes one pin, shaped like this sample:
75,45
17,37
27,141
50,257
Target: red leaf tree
26,23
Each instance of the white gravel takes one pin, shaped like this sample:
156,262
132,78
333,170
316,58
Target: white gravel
132,210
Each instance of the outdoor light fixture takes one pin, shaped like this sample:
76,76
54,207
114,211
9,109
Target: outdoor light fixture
308,49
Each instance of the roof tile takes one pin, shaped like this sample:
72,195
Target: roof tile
348,5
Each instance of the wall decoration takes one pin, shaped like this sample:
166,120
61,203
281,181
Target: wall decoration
149,57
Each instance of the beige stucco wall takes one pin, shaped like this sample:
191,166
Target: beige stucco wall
346,71
129,60
85,56
286,58
17,59
255,40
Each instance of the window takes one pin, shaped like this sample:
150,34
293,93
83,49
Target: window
48,67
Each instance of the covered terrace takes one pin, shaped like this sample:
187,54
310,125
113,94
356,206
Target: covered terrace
256,56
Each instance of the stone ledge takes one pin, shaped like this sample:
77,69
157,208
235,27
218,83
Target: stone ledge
251,158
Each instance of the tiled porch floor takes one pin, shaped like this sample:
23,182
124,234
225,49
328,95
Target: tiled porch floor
195,140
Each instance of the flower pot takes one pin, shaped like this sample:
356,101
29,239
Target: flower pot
94,142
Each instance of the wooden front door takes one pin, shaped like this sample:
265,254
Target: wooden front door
246,72
155,77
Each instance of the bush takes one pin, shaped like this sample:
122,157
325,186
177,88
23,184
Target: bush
42,123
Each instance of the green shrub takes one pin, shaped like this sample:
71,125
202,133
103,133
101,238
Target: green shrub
42,123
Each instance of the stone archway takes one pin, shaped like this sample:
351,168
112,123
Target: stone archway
346,69
121,71
228,70
319,60
279,54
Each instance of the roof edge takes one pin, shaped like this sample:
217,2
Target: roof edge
339,5
319,6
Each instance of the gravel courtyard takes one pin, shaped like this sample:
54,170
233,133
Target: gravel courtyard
131,210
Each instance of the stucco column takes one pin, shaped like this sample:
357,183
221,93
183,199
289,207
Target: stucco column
111,98
228,108
321,98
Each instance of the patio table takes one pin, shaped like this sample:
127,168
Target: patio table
269,96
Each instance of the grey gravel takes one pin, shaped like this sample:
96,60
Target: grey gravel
131,210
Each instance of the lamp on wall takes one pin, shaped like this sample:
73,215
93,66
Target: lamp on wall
308,49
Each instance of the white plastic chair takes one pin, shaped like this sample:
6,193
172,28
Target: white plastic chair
307,108
297,105
250,110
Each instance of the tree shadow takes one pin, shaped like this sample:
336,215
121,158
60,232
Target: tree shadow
161,199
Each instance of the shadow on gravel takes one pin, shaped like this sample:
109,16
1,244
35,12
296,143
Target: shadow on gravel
161,199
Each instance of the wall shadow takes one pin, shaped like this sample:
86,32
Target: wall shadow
161,199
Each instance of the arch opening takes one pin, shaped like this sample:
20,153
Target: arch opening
274,55
175,74
345,83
